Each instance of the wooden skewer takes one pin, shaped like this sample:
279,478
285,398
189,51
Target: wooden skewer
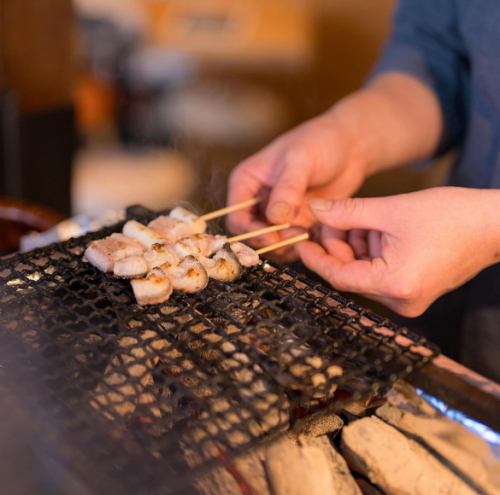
286,242
229,209
258,232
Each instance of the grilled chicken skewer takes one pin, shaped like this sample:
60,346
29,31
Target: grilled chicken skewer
179,225
180,222
192,274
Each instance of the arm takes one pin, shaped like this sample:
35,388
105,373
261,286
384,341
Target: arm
413,107
394,120
397,119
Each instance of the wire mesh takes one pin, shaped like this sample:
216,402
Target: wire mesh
142,399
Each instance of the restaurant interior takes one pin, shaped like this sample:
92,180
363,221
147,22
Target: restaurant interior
108,103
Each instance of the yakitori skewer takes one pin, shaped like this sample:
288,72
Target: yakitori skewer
258,232
206,244
229,209
180,222
286,242
191,274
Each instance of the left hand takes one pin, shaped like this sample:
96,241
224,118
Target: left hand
406,250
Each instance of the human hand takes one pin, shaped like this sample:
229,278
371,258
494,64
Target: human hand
406,250
321,158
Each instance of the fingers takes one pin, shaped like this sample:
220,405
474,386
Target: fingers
357,240
349,213
374,244
334,241
243,185
360,276
289,188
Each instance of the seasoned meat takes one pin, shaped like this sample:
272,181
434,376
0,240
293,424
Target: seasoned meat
170,229
141,233
223,266
187,276
200,245
154,289
198,226
131,267
245,254
104,253
159,254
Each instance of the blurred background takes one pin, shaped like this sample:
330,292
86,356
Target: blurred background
107,103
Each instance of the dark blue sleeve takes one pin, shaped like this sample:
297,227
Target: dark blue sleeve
426,44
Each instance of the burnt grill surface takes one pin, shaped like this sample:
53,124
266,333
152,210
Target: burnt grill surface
139,399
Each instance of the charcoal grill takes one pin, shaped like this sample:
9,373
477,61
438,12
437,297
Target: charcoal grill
141,399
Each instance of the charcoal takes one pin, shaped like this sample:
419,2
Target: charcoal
395,463
308,466
459,448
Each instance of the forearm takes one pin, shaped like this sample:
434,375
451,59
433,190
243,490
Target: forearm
485,223
395,120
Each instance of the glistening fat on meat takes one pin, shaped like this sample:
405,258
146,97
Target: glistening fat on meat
223,266
104,253
197,225
187,276
245,254
170,229
200,245
154,289
159,254
141,233
131,267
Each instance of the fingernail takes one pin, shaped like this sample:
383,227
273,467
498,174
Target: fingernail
320,204
279,211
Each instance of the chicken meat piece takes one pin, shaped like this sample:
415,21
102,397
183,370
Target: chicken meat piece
153,289
246,255
141,233
187,276
198,226
104,253
200,245
223,266
170,228
159,254
131,267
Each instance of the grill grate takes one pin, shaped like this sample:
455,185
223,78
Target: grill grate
140,398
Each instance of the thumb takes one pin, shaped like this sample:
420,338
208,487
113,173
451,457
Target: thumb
348,213
288,192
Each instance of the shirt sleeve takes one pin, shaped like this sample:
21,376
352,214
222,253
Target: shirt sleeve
426,44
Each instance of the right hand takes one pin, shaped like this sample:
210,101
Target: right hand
321,158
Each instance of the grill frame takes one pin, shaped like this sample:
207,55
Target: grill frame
38,330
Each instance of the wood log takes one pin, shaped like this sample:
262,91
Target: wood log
308,466
398,465
464,451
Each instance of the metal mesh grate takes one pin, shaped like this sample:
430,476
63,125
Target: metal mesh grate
137,398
